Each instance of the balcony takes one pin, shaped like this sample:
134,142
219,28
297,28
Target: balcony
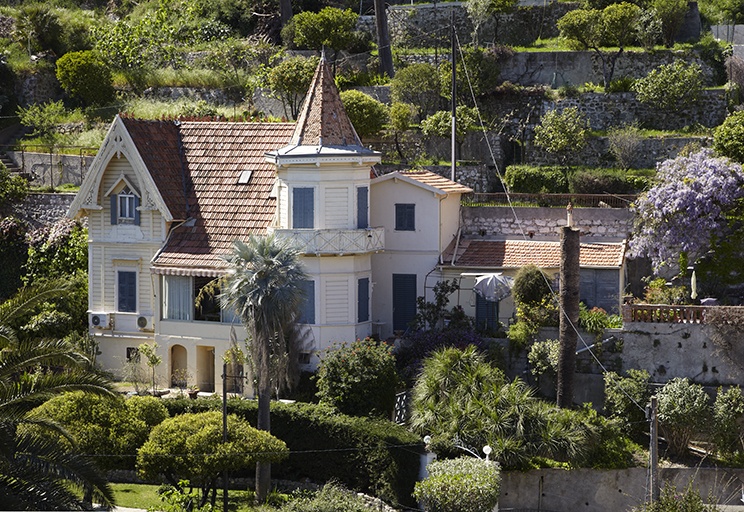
335,241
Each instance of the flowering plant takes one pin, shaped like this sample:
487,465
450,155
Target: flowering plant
694,207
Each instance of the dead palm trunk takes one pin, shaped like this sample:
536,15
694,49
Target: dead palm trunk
569,319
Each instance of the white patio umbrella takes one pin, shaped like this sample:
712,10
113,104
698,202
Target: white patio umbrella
493,287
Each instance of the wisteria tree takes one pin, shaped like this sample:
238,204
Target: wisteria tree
693,214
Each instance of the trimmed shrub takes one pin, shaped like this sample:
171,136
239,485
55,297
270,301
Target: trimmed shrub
202,455
623,396
374,456
113,429
527,179
464,484
84,76
366,114
358,378
599,181
729,137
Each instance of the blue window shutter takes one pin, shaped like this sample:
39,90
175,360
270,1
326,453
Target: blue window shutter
362,207
404,300
405,217
486,313
114,210
302,208
307,315
127,292
136,211
363,300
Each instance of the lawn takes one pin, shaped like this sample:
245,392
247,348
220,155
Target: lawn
146,497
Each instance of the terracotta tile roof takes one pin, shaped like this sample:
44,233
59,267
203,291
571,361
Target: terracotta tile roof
517,253
323,120
215,154
434,180
158,145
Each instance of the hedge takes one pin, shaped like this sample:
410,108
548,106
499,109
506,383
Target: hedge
528,179
374,456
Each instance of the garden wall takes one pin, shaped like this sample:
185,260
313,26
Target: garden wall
40,209
605,223
590,490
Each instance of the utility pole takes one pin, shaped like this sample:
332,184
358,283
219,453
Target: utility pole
454,97
224,433
569,306
651,414
383,39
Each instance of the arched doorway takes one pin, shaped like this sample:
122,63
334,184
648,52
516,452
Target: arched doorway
179,377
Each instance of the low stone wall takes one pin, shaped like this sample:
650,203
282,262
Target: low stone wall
590,490
39,210
605,223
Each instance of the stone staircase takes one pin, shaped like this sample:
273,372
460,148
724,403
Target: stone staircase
9,163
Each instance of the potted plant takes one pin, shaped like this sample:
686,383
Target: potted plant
193,391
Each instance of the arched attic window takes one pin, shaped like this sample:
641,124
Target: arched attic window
125,203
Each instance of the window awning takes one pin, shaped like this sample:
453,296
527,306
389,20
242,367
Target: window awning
188,271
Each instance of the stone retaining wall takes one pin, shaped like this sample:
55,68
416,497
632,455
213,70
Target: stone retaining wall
39,210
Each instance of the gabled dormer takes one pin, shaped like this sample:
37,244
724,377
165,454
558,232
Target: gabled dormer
323,174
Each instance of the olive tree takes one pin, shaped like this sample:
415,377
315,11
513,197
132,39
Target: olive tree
593,29
417,84
289,82
331,27
190,447
562,133
683,410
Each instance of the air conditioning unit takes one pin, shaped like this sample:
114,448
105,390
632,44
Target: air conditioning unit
100,320
146,323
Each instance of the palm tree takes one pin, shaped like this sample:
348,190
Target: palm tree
36,472
263,285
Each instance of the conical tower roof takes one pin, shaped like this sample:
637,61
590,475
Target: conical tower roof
323,120
323,128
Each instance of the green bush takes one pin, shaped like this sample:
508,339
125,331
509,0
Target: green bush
56,251
563,133
358,378
331,498
670,86
527,179
12,188
673,500
366,114
42,118
671,13
325,445
84,76
728,410
729,137
683,411
289,81
196,439
531,285
599,181
417,84
464,484
626,399
112,429
624,142
543,358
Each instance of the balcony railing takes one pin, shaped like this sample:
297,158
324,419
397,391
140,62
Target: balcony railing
335,241
664,314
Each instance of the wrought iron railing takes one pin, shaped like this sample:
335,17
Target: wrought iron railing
335,241
51,165
583,200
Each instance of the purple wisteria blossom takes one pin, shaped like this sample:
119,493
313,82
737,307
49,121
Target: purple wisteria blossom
690,206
